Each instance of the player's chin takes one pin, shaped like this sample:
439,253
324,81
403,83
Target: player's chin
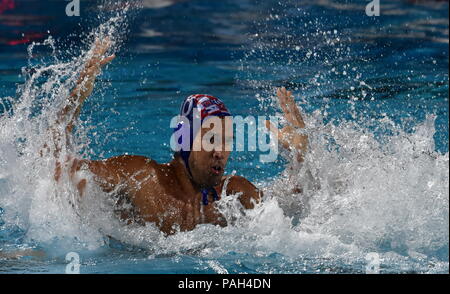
214,179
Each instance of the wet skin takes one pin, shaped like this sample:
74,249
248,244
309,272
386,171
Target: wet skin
165,194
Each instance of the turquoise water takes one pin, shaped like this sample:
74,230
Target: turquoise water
374,91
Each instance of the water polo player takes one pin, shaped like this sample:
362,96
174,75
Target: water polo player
182,193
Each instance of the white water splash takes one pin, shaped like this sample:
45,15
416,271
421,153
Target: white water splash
359,195
29,195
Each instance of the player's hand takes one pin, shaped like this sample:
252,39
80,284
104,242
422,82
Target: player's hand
289,136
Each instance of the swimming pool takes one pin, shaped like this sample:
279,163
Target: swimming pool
374,91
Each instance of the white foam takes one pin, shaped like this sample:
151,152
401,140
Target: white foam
359,194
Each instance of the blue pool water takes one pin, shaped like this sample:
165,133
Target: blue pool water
374,91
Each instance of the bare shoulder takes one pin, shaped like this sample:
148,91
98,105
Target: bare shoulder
124,163
237,183
129,161
250,193
119,169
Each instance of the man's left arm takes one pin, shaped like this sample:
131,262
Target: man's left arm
250,195
290,137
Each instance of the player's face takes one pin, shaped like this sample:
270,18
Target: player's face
208,163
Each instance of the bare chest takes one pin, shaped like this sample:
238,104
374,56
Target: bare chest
171,211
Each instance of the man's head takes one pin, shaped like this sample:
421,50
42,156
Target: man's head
208,131
207,164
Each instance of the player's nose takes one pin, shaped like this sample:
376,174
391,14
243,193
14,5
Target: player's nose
218,155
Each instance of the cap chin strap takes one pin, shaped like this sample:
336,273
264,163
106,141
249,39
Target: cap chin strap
185,158
205,193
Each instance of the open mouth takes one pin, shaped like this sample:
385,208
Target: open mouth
216,169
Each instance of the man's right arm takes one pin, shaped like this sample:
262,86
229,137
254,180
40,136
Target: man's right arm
116,174
85,83
61,130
